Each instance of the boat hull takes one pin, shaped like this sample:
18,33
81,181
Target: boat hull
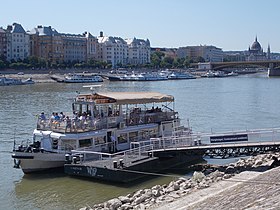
161,161
31,162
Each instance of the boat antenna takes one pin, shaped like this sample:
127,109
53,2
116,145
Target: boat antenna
14,139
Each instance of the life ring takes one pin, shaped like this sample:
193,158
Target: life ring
16,163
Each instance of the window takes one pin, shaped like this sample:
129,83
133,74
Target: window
122,138
133,136
85,143
99,140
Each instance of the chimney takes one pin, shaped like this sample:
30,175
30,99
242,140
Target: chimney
101,33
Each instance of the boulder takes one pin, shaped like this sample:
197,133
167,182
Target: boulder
124,199
113,204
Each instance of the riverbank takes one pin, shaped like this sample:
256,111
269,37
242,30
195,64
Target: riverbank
220,187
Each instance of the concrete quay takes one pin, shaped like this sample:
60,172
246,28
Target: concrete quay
246,184
247,190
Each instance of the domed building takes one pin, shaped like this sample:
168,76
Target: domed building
256,53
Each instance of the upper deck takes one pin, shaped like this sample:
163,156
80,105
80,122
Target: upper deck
112,110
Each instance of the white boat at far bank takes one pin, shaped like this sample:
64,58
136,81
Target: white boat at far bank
4,81
78,78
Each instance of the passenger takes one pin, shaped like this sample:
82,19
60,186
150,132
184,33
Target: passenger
82,119
42,116
114,143
61,115
56,117
56,120
68,124
52,117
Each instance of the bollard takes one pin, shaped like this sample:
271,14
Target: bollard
121,163
67,158
75,160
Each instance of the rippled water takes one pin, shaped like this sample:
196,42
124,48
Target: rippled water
222,104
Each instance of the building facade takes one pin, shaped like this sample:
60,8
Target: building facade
209,53
113,50
139,51
17,42
46,43
3,43
119,52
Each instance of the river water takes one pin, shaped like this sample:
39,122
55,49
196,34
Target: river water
214,104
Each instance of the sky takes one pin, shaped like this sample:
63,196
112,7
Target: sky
227,24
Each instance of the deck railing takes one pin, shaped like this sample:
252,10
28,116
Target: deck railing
91,124
138,151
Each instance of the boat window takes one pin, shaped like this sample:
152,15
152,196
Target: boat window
68,144
122,138
133,136
85,142
153,133
99,140
143,134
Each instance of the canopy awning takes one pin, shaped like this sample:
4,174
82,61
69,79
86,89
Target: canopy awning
126,97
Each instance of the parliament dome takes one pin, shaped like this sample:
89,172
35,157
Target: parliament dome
256,45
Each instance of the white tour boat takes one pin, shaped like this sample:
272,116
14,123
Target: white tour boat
5,81
101,122
82,78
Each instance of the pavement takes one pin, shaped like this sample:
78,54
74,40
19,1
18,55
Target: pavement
247,190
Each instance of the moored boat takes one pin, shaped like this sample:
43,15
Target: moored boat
101,122
179,75
4,81
78,78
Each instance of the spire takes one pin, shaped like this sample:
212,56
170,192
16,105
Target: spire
268,52
256,39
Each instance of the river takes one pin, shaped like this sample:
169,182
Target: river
217,104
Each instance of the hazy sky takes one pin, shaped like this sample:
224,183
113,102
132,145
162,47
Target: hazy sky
228,24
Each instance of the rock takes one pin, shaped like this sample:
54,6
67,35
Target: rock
230,170
124,199
174,195
113,204
258,162
85,208
156,187
227,176
126,206
198,176
156,193
138,193
176,186
140,199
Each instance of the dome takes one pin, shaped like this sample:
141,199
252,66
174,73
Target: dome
256,45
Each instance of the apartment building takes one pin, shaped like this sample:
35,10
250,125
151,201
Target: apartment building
54,47
46,43
17,42
112,50
3,43
92,43
139,51
209,53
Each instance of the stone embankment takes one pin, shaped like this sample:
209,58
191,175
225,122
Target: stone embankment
165,196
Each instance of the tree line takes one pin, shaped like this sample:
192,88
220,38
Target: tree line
158,60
